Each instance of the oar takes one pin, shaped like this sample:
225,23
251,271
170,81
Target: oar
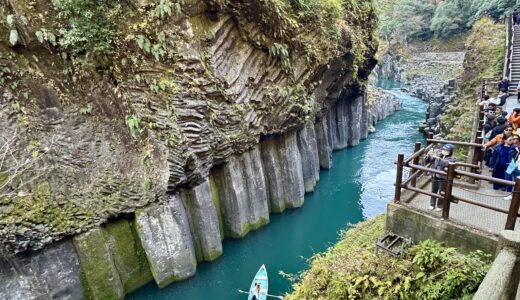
274,296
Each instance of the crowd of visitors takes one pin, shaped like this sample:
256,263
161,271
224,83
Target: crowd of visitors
501,133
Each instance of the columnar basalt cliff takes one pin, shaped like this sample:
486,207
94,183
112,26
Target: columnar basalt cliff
135,165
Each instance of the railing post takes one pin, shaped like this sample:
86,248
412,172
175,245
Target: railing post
399,178
430,136
415,162
477,158
513,208
448,191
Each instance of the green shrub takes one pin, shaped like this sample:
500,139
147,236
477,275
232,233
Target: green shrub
88,26
351,270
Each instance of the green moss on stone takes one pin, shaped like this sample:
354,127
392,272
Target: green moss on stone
260,223
128,255
100,277
216,200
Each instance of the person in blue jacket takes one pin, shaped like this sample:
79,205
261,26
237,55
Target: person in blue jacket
501,156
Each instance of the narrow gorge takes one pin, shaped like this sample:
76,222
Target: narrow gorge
130,160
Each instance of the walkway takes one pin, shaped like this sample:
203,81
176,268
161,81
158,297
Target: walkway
470,215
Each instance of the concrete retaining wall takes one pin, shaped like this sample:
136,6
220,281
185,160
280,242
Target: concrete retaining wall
411,223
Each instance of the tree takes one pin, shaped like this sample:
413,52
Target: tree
451,17
405,20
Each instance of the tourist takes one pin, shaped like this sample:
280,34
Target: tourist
516,19
499,129
485,102
491,122
491,109
440,162
500,159
256,291
497,139
502,97
503,86
514,118
513,171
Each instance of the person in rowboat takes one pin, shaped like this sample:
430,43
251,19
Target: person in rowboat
256,291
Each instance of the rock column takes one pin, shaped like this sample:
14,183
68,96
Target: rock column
323,144
242,192
283,170
307,144
166,237
204,221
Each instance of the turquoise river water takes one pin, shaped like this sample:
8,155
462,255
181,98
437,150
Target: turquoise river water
357,187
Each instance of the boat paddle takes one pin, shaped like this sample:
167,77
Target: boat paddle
274,296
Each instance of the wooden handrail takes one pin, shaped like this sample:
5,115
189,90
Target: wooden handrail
485,178
411,188
454,143
426,169
476,203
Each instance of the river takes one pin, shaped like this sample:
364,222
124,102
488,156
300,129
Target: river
357,187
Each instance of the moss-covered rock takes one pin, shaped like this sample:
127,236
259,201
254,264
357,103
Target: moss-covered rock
128,254
100,277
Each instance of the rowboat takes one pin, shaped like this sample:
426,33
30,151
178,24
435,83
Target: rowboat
260,277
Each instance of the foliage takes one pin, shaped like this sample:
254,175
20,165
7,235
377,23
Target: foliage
132,122
404,20
451,18
482,61
351,270
89,26
13,33
408,20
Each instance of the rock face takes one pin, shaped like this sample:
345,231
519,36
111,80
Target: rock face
204,220
382,104
431,77
166,239
177,96
164,231
242,194
283,171
308,146
50,274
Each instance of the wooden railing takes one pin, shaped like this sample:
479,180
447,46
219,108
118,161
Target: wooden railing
454,170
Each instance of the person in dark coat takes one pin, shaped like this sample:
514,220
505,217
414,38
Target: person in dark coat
500,159
499,128
503,98
491,122
503,86
440,162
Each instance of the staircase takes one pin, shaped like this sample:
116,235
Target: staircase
515,61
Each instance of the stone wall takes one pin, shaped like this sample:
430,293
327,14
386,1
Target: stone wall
411,223
164,241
